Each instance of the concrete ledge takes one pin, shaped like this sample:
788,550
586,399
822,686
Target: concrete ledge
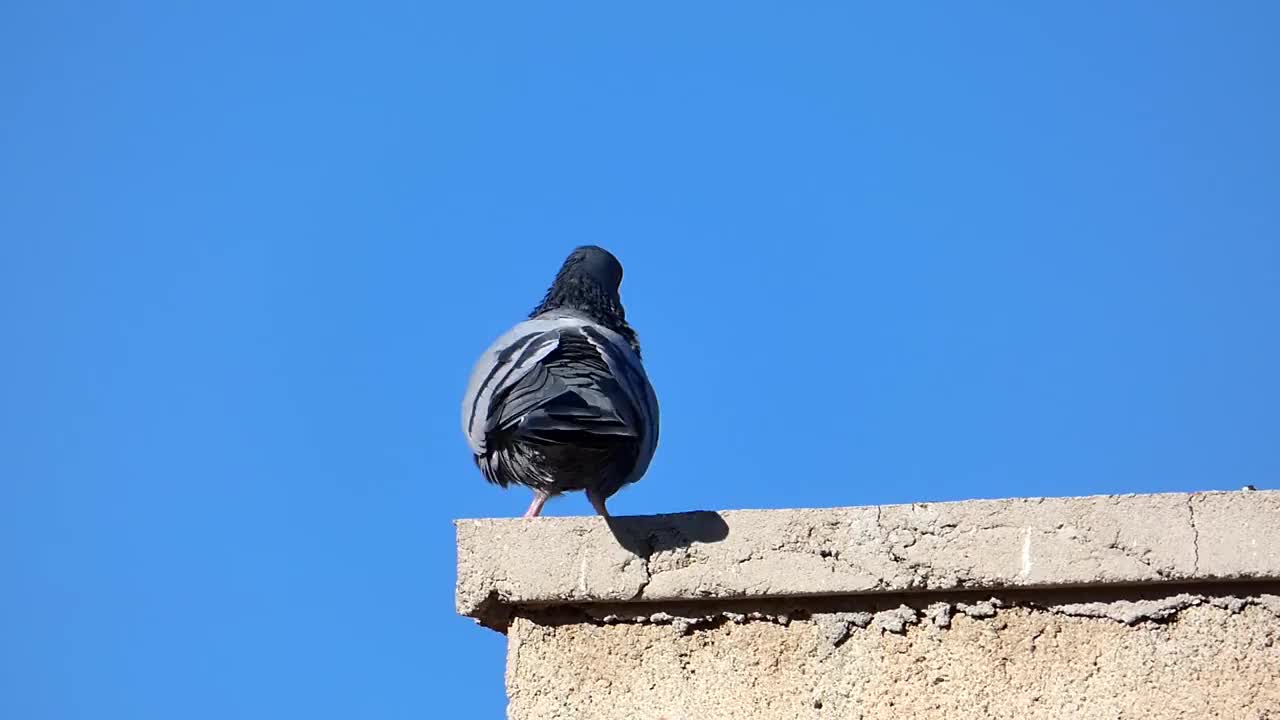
1134,607
1117,540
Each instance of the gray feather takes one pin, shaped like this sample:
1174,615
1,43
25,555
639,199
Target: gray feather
569,402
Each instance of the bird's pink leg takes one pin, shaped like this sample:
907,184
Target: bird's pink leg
597,502
535,507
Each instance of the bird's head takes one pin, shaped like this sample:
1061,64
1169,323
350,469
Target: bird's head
591,263
588,282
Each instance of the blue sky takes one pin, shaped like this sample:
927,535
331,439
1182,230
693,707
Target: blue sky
249,251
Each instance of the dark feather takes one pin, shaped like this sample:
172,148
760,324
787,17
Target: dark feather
561,402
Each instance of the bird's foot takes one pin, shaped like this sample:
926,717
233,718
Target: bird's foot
535,507
597,502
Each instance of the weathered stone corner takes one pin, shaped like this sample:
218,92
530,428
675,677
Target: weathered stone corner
805,613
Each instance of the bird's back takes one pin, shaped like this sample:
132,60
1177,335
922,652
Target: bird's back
561,403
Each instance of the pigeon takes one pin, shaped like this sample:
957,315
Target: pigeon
561,402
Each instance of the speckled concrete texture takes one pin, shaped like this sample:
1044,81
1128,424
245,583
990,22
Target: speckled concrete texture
1210,657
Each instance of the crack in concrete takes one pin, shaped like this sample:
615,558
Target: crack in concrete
1137,556
646,572
1195,535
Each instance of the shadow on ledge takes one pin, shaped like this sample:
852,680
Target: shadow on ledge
644,535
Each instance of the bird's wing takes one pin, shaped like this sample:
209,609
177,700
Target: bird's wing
571,398
509,359
562,379
628,371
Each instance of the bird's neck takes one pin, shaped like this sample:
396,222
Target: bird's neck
592,301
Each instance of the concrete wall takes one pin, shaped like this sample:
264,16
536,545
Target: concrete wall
1155,606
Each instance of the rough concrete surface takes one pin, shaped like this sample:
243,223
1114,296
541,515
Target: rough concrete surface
1211,657
1027,542
1114,607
